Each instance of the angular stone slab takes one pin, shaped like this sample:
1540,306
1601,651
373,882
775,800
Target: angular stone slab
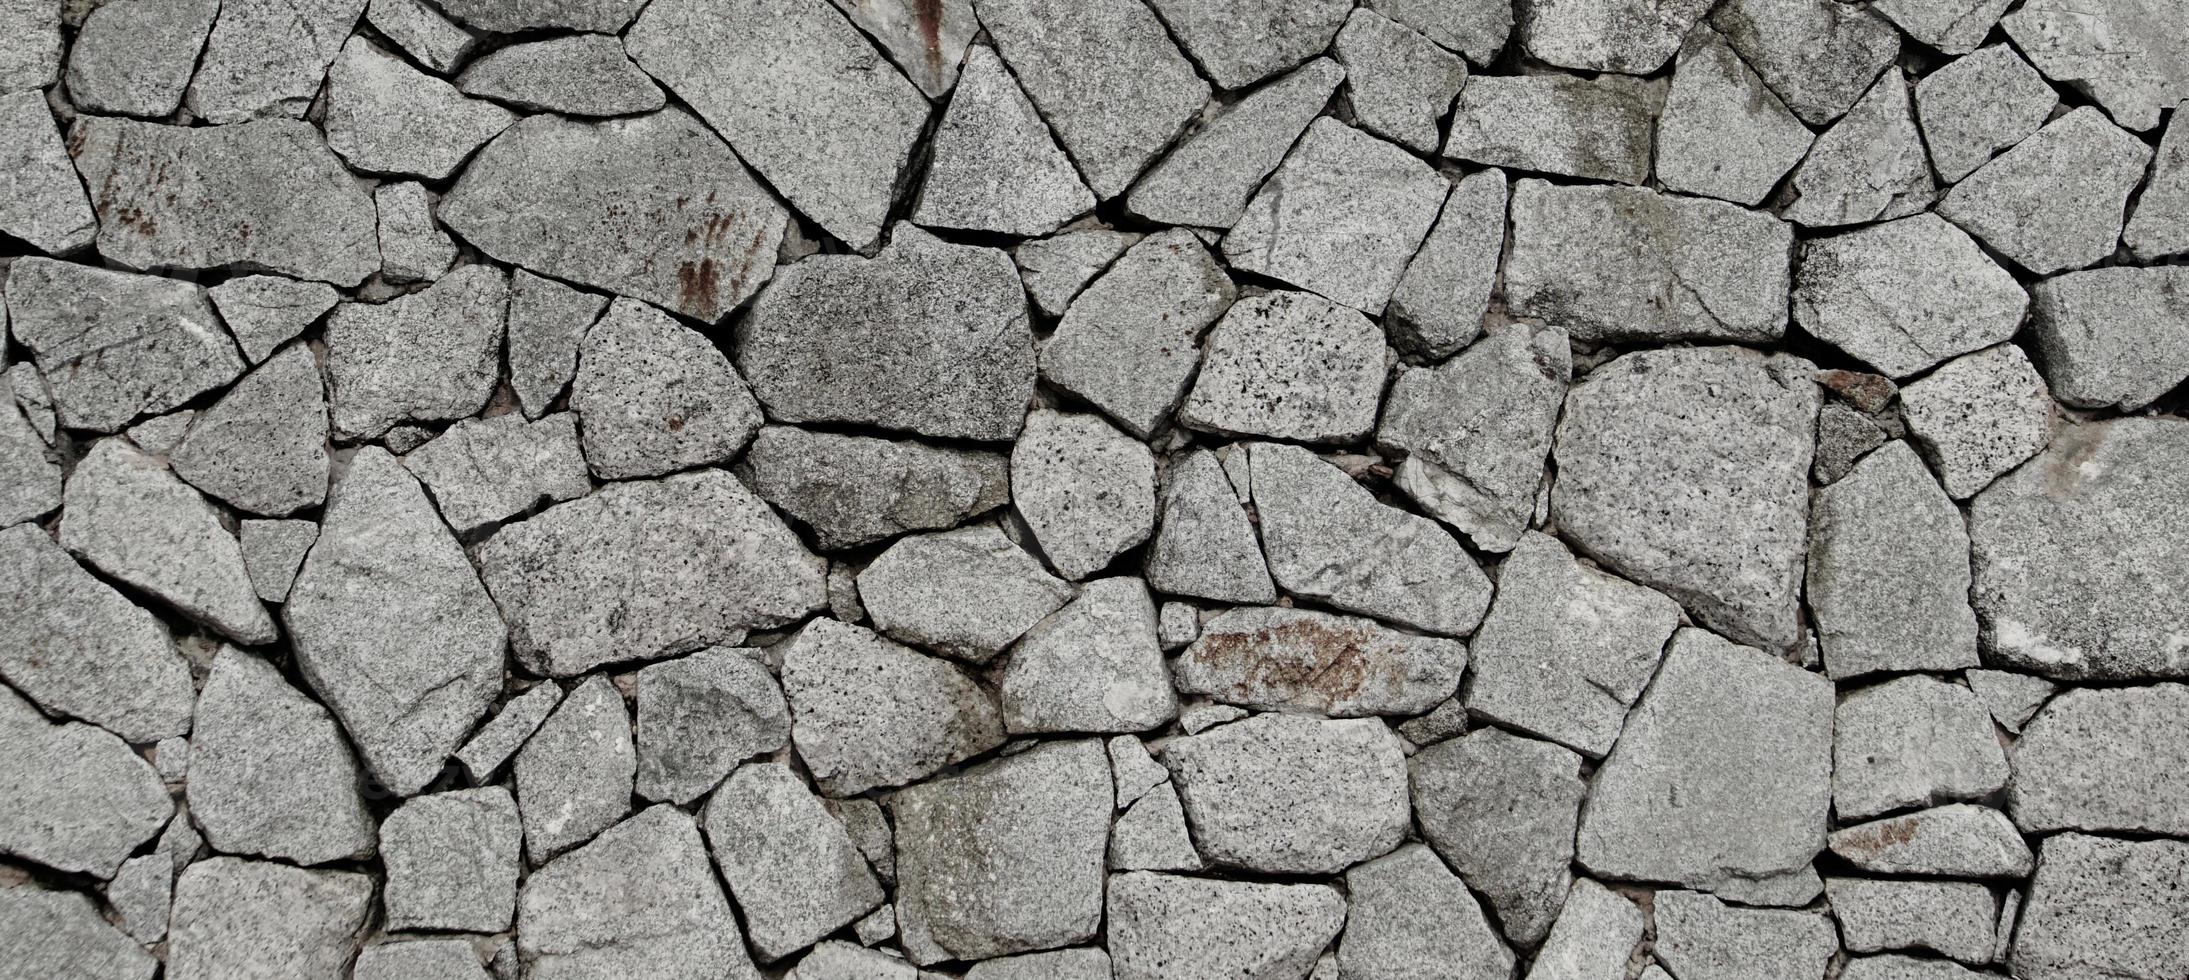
270,773
576,75
76,798
965,594
1288,794
1905,295
452,861
1440,303
482,471
2132,58
79,649
1289,365
2105,760
1978,105
128,516
790,864
263,447
1086,490
993,164
1723,133
1888,578
264,312
855,490
2056,201
639,900
1206,546
60,934
113,346
1818,55
1958,840
514,16
1598,129
1208,177
1476,429
1630,36
1912,741
1341,666
1870,165
574,775
383,116
1502,810
1978,416
699,716
868,713
655,396
254,919
2110,338
1406,909
2104,907
267,58
1093,666
1131,341
927,40
1340,217
41,201
1166,926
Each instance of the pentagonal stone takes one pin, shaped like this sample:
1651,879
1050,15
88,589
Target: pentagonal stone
1706,939
1818,55
994,165
1405,910
129,517
113,346
258,920
854,490
1439,304
638,901
2105,907
574,75
1340,217
1979,416
428,356
1950,917
79,649
383,116
1631,36
1206,546
1086,490
574,774
2129,57
76,799
2105,760
1475,431
2109,338
656,396
926,40
267,57
1130,342
790,865
1979,104
264,312
452,861
2159,225
966,593
1912,742
2057,200
1888,521
413,248
1289,365
1723,133
40,202
1056,268
1287,794
135,59
1093,666
866,712
1169,926
482,471
263,447
1206,180
506,732
701,715
1958,840
1594,938
1870,165
1597,129
1276,658
270,774
423,32
1399,82
1502,810
60,934
1905,295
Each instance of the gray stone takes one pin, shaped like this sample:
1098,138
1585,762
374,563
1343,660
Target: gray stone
517,16
129,517
1979,416
264,312
639,900
1566,649
1287,794
1476,429
2131,57
958,365
1240,44
1954,27
1194,719
30,480
1206,546
1439,304
33,399
1888,579
1172,927
1708,505
1502,810
73,797
1409,916
428,356
1093,666
1134,772
452,861
272,553
878,927
1912,742
868,713
483,471
855,490
1723,133
1818,55
1979,104
1005,858
699,716
800,93
1870,165
1086,490
993,165
789,864
1207,179
1278,658
2105,760
1594,938
41,201
412,247
1950,917
1056,268
1474,28
1444,722
548,322
870,833
576,75
79,649
423,32
2110,338
1705,939
839,960
270,774
267,58
160,435
2101,907
1896,967
2057,200
965,594
1130,342
507,731
2012,698
141,894
259,920
383,116
114,346
1630,36
433,959
1399,82
1723,776
391,626
1598,129
1289,365
60,934
1088,963
1151,835
30,54
1341,217
1905,295
656,396
1328,538
926,39
1683,268
263,447
2159,225
581,584
574,774
1958,840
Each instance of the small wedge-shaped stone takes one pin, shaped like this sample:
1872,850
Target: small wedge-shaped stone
263,447
1870,165
656,396
1328,538
41,202
1905,295
995,167
266,58
1477,428
1594,938
60,934
575,75
655,208
2012,698
1597,129
1912,741
427,356
1979,104
1341,217
1131,341
800,93
423,32
2112,338
574,775
701,715
1093,666
1172,927
507,731
1439,304
1106,76
788,862
391,626
262,196
383,116
1086,490
1628,263
264,312
966,593
2131,57
548,321
73,797
1722,777
270,774
1056,268
1342,666
112,345
135,59
958,362
1888,570
1289,365
926,38
866,712
1207,179
2159,225
129,517
2101,907
1634,37
1004,858
1566,649
1405,910
2105,760
260,920
1502,809
1954,27
1708,505
581,583
1979,416
79,649
1958,840
2058,199
1288,794
1723,133
855,490
1238,44
1151,835
1207,546
516,16
486,470
1706,939
413,248
1399,82
30,480
1818,55
639,900
452,861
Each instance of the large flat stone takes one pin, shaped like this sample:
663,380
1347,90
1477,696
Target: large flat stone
1207,178
2109,338
1502,810
1341,217
267,58
2105,760
260,920
113,346
270,773
1288,794
1288,365
1476,429
1597,129
1905,295
73,798
1131,342
1888,578
869,713
1174,927
128,516
640,900
2101,907
41,202
2057,201
789,863
79,649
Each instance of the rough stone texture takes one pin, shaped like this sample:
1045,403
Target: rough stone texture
855,490
1341,666
264,312
433,959
1595,936
1340,217
1905,295
1502,810
966,593
58,934
2159,225
995,166
639,900
1206,546
2058,199
1439,304
1474,28
790,865
1129,343
1723,133
113,346
1870,165
1818,55
73,797
1093,666
1950,917
1630,36
1888,578
383,116
1286,794
131,518
1979,416
259,920
2104,907
574,775
1239,44
272,553
1954,27
1400,83
1056,268
79,649
41,202
412,247
868,713
1708,505
1959,840
423,32
1405,911
1476,429
1086,490
1289,365
514,16
426,356
2110,338
270,774
1686,268
1151,835
1599,129
488,470
452,861
30,480
2129,57
699,716
577,75
655,396
1705,939
266,58
927,40
2104,760
501,736
1912,742
1173,927
1208,178
1978,105
2012,698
